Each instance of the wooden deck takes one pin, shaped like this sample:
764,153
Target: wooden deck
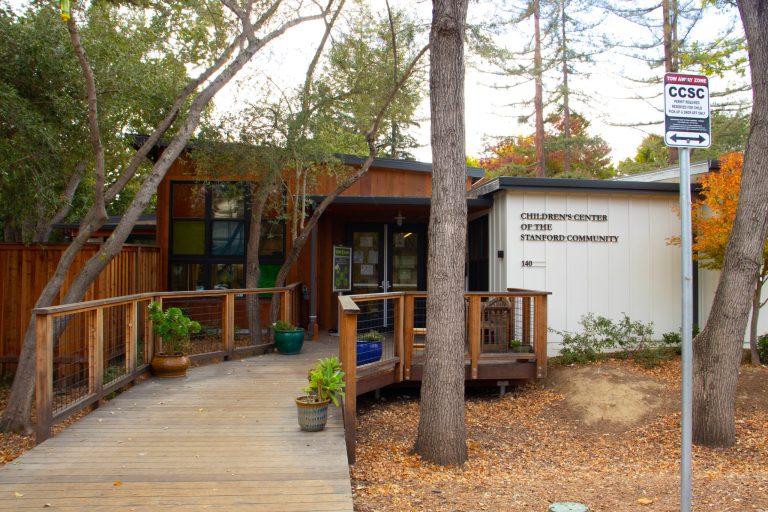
223,438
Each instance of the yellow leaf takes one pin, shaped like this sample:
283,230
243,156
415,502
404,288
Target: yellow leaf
117,483
18,494
645,501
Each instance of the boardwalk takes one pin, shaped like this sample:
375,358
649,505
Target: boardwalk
223,438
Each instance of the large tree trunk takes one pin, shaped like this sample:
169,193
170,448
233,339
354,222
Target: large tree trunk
442,432
252,268
566,93
538,98
717,350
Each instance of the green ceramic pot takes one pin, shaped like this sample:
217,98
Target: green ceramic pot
289,342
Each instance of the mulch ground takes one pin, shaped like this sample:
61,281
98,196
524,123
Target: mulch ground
528,450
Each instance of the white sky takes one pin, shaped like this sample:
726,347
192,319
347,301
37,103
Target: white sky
612,97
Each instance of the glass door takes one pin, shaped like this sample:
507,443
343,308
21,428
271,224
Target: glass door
406,266
367,260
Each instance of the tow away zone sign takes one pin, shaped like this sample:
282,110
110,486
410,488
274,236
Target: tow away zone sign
686,111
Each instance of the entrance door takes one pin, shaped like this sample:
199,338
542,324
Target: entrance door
395,266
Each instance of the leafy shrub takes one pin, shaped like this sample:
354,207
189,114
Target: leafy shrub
281,326
600,334
762,348
173,327
372,335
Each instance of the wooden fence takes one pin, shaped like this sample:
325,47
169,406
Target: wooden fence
25,270
505,338
87,350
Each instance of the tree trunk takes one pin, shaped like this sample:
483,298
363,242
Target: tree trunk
717,350
538,99
252,268
442,432
566,94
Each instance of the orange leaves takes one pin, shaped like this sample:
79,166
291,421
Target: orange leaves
714,213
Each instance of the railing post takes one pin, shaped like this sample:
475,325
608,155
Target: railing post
131,340
44,376
157,341
96,352
348,352
408,337
473,334
399,336
540,331
229,325
285,310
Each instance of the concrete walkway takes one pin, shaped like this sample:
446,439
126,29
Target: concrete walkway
223,438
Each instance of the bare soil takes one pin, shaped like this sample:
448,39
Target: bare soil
605,434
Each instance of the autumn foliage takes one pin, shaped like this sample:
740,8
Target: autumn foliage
713,214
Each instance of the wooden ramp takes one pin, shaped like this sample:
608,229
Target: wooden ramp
223,438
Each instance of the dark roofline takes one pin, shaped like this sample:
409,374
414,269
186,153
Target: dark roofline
404,165
383,163
397,201
572,185
146,221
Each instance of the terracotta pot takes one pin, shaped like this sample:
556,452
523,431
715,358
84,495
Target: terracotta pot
170,366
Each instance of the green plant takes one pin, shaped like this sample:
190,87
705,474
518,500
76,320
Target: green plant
601,334
173,327
372,335
762,348
515,344
281,326
326,381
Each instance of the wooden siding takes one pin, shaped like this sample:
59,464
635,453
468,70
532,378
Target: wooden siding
25,270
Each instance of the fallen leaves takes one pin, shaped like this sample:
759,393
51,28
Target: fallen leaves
525,455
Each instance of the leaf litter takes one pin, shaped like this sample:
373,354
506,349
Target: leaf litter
532,448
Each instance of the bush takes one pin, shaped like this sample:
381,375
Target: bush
762,348
601,334
173,326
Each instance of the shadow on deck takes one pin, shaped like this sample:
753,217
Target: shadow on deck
223,438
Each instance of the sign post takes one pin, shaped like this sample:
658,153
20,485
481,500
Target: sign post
686,126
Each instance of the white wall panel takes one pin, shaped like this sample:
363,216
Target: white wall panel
639,273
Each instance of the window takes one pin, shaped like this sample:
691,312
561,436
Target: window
209,226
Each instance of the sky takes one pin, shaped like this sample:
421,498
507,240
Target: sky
612,98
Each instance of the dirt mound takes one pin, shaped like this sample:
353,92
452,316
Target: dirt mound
608,398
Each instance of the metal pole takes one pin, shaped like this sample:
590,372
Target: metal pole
313,286
687,327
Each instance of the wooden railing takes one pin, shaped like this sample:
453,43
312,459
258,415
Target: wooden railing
88,350
501,327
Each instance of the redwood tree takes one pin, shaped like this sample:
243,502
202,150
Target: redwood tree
442,431
717,350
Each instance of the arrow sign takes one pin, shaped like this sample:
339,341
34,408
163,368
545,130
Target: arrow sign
686,111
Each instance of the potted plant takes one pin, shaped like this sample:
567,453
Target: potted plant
326,385
174,328
516,345
288,337
369,346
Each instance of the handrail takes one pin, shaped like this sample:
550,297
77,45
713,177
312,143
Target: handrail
109,334
125,299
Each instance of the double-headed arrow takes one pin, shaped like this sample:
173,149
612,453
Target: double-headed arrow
700,139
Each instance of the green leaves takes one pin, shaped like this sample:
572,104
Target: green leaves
326,380
173,327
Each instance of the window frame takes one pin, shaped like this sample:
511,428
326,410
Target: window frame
208,260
